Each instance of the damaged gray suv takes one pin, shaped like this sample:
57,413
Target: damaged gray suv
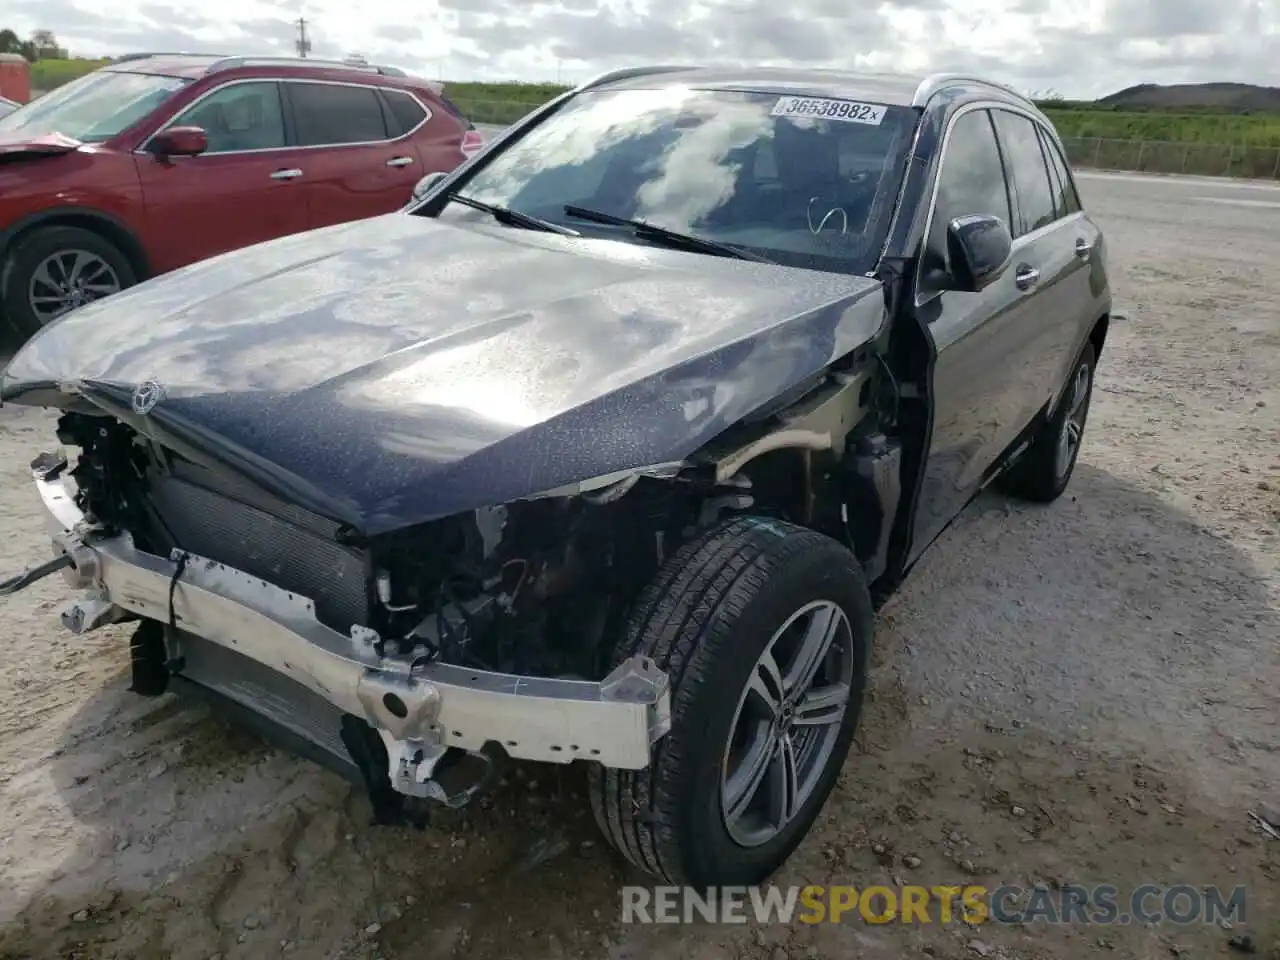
603,450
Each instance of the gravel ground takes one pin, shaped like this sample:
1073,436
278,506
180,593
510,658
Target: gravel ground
1085,693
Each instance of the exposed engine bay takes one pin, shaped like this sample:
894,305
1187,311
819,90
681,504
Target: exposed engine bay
534,587
468,638
526,588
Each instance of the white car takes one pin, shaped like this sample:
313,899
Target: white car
7,106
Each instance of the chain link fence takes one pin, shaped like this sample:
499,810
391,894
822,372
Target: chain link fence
1158,156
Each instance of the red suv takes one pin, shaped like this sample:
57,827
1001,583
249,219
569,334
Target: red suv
159,160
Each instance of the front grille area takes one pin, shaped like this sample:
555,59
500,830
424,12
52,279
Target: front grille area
237,525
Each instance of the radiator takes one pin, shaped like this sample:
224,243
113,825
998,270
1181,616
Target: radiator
243,528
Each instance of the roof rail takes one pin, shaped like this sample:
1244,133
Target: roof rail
937,81
627,73
232,63
127,57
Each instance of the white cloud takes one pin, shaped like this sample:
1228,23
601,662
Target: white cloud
1075,47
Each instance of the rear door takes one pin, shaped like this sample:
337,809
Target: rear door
357,161
443,138
1083,285
242,190
1043,249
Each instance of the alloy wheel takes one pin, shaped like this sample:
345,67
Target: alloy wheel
69,279
1073,423
787,723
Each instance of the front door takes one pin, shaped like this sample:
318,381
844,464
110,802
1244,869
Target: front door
246,188
981,388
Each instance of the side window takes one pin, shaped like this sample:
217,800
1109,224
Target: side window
1028,173
406,113
971,181
240,116
327,114
1068,201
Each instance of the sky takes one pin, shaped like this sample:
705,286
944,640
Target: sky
1074,48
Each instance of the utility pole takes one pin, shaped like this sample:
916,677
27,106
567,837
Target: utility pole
302,44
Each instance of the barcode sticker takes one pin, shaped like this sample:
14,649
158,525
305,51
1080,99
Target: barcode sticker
820,109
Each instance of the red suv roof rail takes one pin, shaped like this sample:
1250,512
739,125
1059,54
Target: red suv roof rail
232,63
147,54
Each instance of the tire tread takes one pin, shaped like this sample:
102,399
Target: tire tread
681,621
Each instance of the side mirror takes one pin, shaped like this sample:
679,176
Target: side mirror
427,184
179,142
980,248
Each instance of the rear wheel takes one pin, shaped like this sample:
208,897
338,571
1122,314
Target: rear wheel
53,270
1043,472
764,629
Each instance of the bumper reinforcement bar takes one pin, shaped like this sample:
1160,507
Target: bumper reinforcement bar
420,709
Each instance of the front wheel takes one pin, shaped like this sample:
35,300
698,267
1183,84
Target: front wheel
764,629
53,270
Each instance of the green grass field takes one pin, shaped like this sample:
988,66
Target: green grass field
47,74
1252,139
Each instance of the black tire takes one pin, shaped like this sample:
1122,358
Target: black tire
706,619
1037,475
30,250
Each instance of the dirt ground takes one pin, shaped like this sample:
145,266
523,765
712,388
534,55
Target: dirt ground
1084,693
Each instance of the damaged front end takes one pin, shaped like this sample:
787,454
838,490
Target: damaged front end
416,661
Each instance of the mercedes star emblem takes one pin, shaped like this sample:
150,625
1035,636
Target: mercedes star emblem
147,396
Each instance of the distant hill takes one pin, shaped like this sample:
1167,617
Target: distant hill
1227,97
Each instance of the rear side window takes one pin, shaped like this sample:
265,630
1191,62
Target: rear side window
1028,172
453,108
239,116
327,114
1065,198
970,182
406,113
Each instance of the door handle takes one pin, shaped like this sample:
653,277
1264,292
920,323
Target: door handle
399,161
1026,276
1083,248
291,173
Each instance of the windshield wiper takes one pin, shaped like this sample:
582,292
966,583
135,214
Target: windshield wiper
670,238
512,217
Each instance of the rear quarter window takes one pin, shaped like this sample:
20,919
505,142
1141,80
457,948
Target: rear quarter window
406,113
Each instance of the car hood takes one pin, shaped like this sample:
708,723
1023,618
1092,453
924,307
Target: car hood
46,144
393,370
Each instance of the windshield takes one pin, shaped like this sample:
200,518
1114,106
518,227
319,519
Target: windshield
94,107
802,181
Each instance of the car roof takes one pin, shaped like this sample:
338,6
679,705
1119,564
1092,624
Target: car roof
894,89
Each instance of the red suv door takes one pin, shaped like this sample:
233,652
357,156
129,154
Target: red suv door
246,188
357,163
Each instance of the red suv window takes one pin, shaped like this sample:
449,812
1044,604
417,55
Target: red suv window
332,113
239,116
407,114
